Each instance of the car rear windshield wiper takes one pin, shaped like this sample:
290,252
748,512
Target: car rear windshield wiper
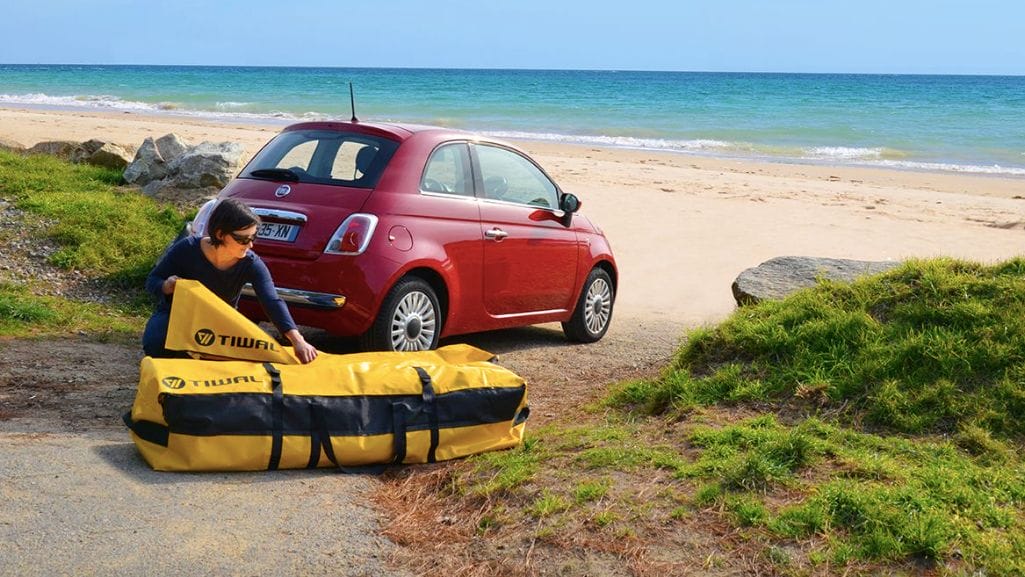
275,174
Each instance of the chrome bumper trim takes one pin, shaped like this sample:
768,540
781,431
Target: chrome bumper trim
301,297
286,215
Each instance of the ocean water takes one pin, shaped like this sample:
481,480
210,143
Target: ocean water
939,123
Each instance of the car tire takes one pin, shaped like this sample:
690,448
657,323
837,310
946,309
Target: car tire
593,313
409,319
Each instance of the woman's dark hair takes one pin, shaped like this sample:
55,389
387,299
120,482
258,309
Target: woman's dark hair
229,215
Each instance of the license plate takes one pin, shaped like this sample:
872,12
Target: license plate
277,231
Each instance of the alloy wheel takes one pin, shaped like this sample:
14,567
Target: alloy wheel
598,306
414,323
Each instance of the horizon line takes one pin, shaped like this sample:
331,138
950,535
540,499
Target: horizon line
516,69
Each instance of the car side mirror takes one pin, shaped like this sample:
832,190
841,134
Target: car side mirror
569,203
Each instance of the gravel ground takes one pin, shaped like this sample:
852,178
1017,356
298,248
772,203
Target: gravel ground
24,260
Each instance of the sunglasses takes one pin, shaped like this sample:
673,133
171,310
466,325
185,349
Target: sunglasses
242,239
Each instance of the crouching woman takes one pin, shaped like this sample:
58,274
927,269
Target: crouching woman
224,263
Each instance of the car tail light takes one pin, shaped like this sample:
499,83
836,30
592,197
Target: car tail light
353,236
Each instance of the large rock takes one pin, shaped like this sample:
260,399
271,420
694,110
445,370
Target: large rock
171,146
111,156
208,164
11,145
95,152
780,276
147,166
59,148
152,160
169,169
86,149
100,153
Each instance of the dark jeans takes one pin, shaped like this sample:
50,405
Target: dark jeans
154,336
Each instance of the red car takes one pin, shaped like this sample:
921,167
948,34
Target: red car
405,234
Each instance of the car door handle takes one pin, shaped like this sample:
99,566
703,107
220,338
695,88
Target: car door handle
496,234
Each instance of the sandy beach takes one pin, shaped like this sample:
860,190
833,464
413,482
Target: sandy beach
683,227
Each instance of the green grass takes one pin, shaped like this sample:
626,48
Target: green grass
589,491
934,499
101,229
112,236
932,347
548,504
23,314
935,347
503,471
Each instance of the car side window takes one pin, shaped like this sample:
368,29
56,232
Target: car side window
448,171
510,177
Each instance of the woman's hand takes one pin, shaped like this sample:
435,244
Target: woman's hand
168,286
304,350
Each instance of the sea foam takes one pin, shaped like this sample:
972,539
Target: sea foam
230,110
105,102
621,141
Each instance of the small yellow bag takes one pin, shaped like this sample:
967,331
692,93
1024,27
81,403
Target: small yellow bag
339,410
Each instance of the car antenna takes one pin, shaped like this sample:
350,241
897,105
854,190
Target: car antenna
352,103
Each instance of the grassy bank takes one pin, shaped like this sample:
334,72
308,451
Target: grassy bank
863,429
109,235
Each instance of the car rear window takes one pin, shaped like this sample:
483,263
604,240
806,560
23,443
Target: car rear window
323,157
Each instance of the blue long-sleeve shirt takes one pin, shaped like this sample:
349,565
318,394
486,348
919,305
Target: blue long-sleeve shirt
185,259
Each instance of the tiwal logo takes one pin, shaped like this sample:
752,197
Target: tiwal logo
179,383
205,337
173,382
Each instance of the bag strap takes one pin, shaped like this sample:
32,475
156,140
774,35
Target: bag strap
320,429
398,419
320,434
147,430
277,410
430,408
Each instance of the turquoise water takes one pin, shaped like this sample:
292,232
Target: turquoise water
950,123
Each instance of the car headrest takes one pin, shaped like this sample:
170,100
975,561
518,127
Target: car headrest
364,158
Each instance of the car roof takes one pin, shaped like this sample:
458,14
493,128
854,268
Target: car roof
399,132
395,131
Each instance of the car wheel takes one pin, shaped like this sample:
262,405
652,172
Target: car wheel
593,312
409,320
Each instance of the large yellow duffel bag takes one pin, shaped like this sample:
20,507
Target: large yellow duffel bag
339,410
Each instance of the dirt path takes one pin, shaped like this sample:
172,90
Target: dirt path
75,498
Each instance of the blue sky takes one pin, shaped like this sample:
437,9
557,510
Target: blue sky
886,36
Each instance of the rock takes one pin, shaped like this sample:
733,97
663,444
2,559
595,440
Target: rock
778,277
110,156
208,164
169,170
171,146
153,157
59,148
147,166
11,146
83,151
100,153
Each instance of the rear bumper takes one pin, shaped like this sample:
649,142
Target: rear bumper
306,298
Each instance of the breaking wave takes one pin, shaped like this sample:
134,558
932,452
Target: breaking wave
234,110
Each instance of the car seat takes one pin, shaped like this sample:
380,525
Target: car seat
495,187
364,158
